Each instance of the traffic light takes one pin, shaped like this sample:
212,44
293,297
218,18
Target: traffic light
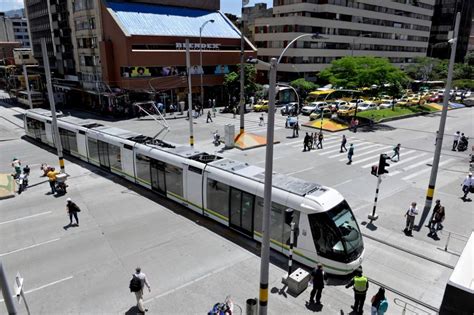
374,170
383,164
289,216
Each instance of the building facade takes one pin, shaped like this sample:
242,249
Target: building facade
395,29
6,29
20,30
249,14
444,19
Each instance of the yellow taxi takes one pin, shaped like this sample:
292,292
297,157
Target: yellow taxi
261,106
346,110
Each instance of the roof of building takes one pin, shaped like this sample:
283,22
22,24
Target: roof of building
159,20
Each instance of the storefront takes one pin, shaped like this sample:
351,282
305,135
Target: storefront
144,50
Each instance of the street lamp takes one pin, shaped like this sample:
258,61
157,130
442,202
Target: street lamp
267,190
200,58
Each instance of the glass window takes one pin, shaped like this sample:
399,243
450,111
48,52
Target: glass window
93,150
336,234
63,135
143,168
276,222
72,141
174,179
235,204
257,221
115,157
218,197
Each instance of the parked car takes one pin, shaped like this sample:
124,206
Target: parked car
386,104
327,113
291,121
311,107
354,101
366,106
290,108
436,98
469,101
346,110
338,103
261,106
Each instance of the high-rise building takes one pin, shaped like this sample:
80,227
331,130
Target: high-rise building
443,23
396,29
249,14
470,47
20,30
6,29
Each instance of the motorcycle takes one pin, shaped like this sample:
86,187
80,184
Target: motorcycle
61,184
217,138
22,182
463,143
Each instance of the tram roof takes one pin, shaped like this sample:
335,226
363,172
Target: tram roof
45,112
463,274
287,183
117,132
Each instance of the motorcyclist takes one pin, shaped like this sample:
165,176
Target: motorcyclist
16,164
463,142
217,138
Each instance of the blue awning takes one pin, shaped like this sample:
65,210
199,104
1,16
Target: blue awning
158,20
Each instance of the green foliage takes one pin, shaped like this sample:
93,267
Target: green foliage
463,84
232,81
357,72
432,69
303,87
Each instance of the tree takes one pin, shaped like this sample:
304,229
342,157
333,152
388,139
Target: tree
232,81
303,87
424,69
357,72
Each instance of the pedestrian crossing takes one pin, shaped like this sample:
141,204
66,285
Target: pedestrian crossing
412,163
251,125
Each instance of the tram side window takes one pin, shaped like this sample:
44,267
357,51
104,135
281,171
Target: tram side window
115,157
64,139
93,149
72,141
143,168
31,125
257,217
174,179
276,222
218,197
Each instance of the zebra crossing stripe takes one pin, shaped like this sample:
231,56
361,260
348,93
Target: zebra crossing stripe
367,152
425,170
370,157
407,160
411,166
404,154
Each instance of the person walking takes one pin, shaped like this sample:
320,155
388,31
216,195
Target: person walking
360,285
234,111
350,153
306,143
52,179
356,124
296,128
435,224
137,284
72,210
16,164
318,275
320,140
410,215
315,139
261,122
457,135
343,144
396,153
209,116
467,185
352,125
379,303
435,209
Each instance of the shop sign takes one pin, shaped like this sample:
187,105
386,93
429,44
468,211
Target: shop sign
198,46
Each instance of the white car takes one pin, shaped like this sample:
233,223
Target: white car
386,104
354,101
366,106
338,103
311,107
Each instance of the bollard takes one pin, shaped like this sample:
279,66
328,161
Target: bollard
251,308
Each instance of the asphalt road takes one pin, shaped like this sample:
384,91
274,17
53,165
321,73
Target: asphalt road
193,263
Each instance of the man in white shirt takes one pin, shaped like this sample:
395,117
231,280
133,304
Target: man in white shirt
410,215
139,295
467,184
456,140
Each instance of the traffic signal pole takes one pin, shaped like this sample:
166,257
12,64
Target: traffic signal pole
442,123
374,216
378,172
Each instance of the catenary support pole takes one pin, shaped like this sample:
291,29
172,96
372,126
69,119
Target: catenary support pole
6,293
55,130
373,217
267,193
442,123
242,74
190,97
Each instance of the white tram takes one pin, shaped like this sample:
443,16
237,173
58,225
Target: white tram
224,190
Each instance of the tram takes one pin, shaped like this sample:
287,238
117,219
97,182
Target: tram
225,190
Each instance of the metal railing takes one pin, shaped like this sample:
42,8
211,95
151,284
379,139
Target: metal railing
413,309
454,236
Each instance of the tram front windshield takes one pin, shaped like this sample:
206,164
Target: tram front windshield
336,234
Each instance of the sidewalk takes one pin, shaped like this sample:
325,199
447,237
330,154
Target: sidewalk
7,186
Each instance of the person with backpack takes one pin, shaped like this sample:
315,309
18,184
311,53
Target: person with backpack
72,210
137,283
379,303
438,216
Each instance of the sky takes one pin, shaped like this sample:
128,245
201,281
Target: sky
228,6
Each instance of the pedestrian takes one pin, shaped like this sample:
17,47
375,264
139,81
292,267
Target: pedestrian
410,215
360,284
315,139
320,140
467,185
352,125
356,124
379,303
435,224
435,209
209,116
210,103
343,144
296,128
234,111
52,179
16,164
137,283
318,275
72,209
396,153
350,153
457,135
261,122
306,142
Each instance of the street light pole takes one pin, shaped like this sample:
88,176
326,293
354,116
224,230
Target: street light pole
190,97
442,123
200,59
242,71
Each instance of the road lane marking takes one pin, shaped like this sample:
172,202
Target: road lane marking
29,247
340,184
406,153
44,286
411,166
425,170
333,146
368,158
306,169
27,217
365,153
407,160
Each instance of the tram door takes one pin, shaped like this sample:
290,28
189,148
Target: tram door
158,176
103,154
241,211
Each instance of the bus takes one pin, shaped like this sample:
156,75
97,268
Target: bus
36,98
318,96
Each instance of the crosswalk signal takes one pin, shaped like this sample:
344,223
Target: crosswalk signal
374,170
383,164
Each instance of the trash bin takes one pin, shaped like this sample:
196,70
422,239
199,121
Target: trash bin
229,136
251,308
